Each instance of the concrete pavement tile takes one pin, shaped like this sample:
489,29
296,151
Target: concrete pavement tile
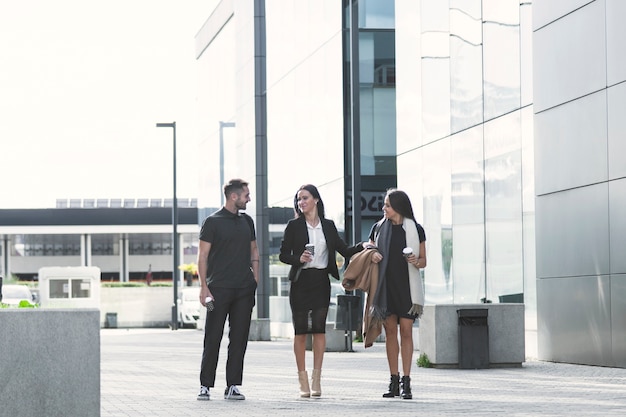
154,372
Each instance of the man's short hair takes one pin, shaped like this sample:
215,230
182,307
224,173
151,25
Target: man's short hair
234,186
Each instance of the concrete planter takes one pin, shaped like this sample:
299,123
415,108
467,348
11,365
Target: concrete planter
439,334
50,362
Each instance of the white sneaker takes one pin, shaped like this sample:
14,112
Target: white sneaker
232,393
204,394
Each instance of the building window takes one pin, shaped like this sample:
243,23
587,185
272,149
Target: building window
105,244
46,245
70,288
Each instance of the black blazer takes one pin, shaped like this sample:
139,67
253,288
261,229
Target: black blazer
296,236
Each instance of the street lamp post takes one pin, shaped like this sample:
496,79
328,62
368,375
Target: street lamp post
222,126
174,233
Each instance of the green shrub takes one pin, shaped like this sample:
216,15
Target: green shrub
133,284
22,304
423,361
26,304
123,284
162,284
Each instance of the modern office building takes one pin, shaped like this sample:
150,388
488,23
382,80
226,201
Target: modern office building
124,238
500,118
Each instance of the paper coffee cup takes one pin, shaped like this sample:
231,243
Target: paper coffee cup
407,251
310,247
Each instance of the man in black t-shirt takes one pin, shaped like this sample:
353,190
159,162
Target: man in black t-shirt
228,265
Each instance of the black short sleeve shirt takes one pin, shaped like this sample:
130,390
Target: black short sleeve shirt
230,236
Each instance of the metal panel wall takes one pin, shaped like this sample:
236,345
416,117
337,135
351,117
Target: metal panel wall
570,62
615,41
546,11
616,128
572,149
617,219
580,181
618,319
572,232
574,322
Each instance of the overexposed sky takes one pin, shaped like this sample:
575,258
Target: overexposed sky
83,84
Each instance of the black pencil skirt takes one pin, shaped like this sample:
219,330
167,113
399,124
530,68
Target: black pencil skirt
309,298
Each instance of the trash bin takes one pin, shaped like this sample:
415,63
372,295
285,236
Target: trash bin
348,312
110,321
473,338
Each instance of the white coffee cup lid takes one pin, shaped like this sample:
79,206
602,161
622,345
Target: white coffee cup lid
407,251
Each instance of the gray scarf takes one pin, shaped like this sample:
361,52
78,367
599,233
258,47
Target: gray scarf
383,241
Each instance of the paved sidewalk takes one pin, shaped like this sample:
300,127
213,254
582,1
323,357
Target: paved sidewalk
154,372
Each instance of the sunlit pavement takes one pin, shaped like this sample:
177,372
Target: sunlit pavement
154,372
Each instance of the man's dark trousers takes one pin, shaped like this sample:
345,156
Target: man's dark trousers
237,305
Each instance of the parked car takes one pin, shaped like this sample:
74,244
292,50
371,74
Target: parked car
189,306
13,294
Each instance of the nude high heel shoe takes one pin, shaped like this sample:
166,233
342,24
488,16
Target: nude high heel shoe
305,391
316,389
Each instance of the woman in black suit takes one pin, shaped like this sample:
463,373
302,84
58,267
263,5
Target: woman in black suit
309,294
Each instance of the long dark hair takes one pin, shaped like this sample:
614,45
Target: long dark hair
400,202
316,194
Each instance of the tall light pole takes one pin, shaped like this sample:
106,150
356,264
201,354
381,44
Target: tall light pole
174,233
222,126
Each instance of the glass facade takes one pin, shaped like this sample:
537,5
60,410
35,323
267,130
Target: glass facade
374,109
304,114
442,113
469,168
482,110
304,104
377,101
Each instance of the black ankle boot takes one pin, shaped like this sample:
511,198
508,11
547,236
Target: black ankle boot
406,388
394,387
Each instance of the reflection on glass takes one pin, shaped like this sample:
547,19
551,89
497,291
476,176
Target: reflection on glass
470,184
304,118
503,205
466,101
435,64
313,130
377,102
59,288
468,216
81,288
409,108
502,68
435,98
377,14
502,56
526,54
437,220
